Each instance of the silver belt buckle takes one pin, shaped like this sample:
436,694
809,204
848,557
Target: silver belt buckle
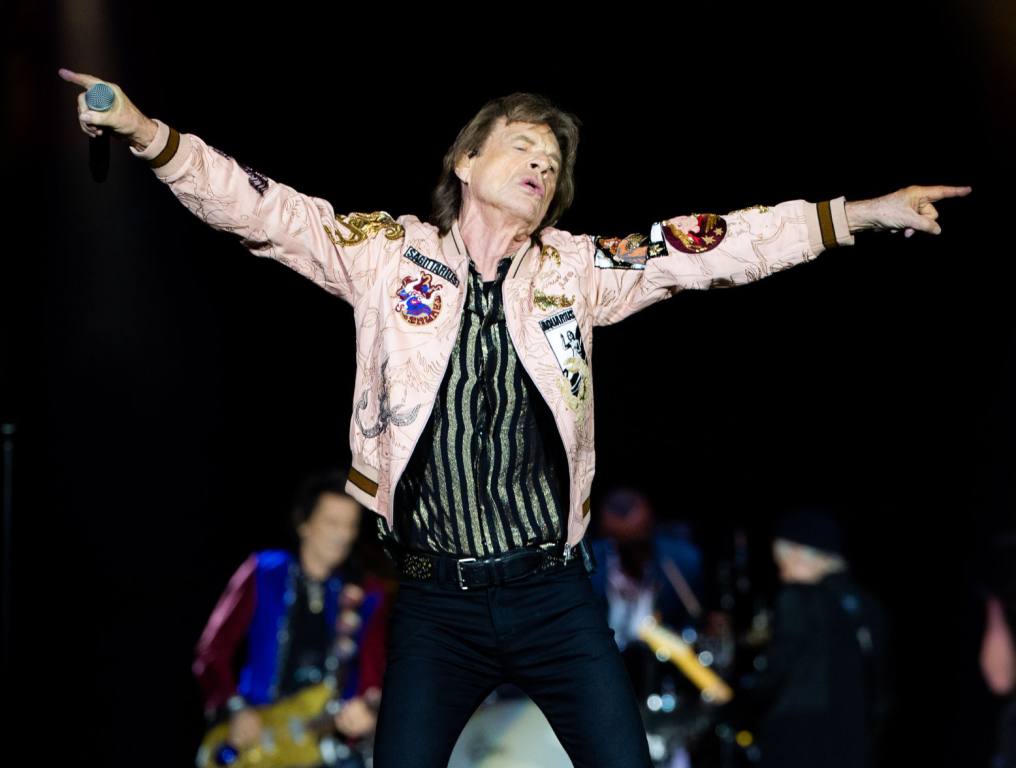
458,568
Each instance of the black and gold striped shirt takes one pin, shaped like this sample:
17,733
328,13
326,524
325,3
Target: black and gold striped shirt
489,472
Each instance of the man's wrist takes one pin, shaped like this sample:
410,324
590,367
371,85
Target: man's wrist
144,135
859,216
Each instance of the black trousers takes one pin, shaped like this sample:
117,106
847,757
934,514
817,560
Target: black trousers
449,648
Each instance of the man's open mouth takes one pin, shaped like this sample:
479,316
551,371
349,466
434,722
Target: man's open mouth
531,183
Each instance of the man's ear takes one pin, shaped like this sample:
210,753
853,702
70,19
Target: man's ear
464,165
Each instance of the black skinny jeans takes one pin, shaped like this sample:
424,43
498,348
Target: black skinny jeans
449,648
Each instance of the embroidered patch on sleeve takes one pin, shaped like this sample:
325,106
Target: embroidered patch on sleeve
256,179
696,233
631,252
363,226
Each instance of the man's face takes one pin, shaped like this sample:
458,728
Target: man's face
797,564
331,529
515,172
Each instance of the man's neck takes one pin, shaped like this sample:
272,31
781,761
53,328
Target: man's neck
489,237
315,569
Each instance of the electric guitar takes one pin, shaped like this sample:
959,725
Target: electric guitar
299,731
296,732
669,646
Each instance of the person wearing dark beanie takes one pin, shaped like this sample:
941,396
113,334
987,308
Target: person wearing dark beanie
812,526
808,545
822,693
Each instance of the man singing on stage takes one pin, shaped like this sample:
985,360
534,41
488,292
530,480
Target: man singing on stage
472,424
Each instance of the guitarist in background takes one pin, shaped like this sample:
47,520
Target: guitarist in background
290,608
645,568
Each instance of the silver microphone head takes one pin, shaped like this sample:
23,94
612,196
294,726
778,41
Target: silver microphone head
100,97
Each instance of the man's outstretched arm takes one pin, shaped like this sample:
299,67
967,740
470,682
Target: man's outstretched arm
709,250
339,253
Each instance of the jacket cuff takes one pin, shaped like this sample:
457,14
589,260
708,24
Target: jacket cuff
827,225
167,151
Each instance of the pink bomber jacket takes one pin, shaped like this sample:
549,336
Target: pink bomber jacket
407,283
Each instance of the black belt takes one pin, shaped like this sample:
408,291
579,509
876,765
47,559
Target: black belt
475,572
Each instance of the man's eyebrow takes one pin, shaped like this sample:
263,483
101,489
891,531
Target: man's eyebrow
525,138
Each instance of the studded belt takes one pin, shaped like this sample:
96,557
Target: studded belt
476,572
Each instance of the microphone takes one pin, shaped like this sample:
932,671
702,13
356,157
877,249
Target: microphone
99,98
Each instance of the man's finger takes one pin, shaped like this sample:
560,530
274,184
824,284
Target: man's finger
940,192
79,78
912,220
85,115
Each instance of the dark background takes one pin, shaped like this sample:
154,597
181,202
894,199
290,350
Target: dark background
169,388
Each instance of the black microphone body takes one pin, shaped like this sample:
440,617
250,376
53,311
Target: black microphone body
99,98
98,156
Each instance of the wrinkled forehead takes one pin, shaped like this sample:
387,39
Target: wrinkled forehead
540,131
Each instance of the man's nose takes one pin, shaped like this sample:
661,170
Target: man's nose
540,163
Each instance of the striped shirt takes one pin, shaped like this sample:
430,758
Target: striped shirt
489,472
